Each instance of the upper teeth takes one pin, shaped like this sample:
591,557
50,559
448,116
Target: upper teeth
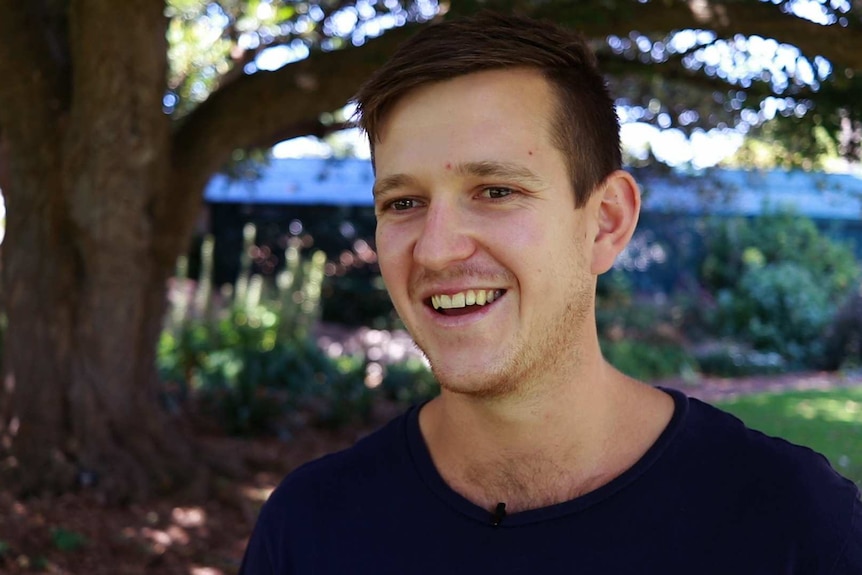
465,298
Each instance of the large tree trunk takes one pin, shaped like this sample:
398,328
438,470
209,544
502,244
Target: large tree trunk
102,197
85,266
39,270
80,388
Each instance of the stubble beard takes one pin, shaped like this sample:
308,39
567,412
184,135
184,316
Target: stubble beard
523,366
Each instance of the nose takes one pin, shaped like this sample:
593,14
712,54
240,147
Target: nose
445,238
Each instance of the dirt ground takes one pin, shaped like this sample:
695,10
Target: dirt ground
75,534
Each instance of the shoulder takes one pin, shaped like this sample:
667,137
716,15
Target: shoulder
362,468
736,452
781,491
727,439
301,512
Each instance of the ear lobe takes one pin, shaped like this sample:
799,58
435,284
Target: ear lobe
618,211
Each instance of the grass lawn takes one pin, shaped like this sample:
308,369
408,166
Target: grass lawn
827,421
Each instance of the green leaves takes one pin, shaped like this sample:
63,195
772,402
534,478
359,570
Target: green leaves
777,281
67,540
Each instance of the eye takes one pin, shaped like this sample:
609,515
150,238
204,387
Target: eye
401,204
497,192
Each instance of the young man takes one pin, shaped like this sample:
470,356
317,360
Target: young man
500,198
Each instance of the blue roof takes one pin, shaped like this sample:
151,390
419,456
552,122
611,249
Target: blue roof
310,181
741,192
348,182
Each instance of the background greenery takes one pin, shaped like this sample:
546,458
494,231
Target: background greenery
765,296
243,358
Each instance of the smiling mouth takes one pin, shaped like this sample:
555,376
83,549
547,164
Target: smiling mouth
464,302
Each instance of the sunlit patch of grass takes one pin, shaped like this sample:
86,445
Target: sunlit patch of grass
828,421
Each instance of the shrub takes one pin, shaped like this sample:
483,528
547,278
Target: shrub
244,360
783,236
639,335
614,289
732,360
409,382
66,540
843,342
619,312
776,281
649,361
779,307
239,373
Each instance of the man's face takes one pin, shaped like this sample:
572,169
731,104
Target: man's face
481,248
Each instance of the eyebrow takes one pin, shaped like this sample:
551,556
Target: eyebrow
481,169
502,170
384,185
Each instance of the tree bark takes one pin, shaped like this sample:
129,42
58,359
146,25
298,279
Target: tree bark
84,290
101,197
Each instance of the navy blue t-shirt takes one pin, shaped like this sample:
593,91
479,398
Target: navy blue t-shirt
709,497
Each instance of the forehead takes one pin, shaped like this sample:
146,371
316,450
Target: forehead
490,114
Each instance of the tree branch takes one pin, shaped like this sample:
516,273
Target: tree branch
266,107
254,108
673,70
261,109
841,45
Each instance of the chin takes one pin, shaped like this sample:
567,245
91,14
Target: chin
479,386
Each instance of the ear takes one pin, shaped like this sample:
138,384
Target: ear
618,210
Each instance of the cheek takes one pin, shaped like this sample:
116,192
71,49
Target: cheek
524,240
546,250
522,230
392,251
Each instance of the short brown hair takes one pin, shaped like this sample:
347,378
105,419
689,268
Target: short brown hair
585,127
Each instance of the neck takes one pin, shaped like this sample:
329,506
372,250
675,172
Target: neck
563,407
530,451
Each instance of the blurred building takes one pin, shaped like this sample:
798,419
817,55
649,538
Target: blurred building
328,203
